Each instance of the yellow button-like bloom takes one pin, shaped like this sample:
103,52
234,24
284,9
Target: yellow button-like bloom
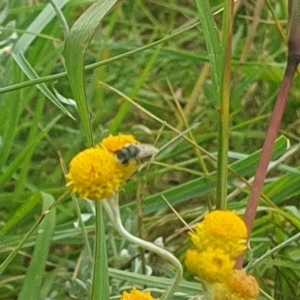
219,239
240,286
95,173
221,229
211,265
225,224
115,143
243,285
135,294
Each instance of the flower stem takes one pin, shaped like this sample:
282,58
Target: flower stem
222,168
100,287
112,208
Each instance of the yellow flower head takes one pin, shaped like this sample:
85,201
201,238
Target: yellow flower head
137,295
211,265
95,172
115,143
243,285
221,229
240,286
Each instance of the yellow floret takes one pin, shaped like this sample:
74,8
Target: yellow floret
135,294
221,229
211,265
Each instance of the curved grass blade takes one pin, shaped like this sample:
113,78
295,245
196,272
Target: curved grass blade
37,26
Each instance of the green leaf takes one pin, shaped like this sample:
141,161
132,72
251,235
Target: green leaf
31,287
213,46
76,45
37,26
286,187
10,106
125,107
188,287
31,145
26,208
31,74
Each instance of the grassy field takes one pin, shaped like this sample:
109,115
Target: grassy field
151,69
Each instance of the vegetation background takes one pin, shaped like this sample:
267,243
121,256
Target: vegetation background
155,53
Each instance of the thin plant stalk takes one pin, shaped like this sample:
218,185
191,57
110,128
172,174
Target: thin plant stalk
100,258
82,227
261,171
223,136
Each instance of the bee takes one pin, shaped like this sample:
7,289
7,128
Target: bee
139,153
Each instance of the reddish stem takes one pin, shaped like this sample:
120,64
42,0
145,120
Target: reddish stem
261,171
266,154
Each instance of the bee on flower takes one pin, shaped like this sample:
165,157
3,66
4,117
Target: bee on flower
97,172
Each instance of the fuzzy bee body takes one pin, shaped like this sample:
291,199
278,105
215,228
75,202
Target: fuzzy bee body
135,153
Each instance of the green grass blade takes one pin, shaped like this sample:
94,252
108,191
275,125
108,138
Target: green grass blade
8,126
31,74
125,107
128,53
100,287
32,284
191,288
24,170
37,26
76,45
213,46
223,136
29,147
286,187
23,211
61,17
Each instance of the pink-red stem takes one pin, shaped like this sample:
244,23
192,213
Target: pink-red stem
266,154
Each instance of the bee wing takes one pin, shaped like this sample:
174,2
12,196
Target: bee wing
146,152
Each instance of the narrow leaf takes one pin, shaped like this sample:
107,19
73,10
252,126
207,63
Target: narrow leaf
31,287
213,46
76,45
31,74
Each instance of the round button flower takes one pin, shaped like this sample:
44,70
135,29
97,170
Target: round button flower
135,294
221,229
218,240
240,286
243,285
211,265
95,173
